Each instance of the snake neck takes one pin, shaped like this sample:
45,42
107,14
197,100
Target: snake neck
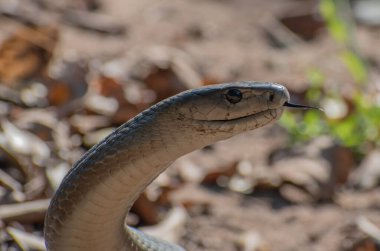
93,219
90,206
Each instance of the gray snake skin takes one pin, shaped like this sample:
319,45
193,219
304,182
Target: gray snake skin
88,210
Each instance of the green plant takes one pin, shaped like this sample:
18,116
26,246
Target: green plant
356,122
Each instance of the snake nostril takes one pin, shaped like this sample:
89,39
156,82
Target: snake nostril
271,97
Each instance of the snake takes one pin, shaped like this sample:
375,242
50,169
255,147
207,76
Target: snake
89,209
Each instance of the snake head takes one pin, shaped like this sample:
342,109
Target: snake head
231,101
233,107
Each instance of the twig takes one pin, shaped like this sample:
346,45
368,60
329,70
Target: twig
24,211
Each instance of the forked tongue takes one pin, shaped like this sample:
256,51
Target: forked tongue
288,104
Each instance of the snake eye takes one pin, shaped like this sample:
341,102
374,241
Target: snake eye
234,96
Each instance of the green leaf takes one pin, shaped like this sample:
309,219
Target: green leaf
356,66
327,9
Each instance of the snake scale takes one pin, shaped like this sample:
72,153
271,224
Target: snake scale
89,208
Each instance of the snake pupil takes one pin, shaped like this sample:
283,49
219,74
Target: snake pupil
234,96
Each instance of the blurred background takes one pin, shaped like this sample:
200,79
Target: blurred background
71,71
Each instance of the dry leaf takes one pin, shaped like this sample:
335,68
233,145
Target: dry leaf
26,54
166,71
23,142
146,210
367,175
108,97
94,21
26,241
171,228
31,211
252,241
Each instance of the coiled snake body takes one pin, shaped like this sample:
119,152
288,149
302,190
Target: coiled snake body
89,208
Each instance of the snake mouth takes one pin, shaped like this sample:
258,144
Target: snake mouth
266,115
236,125
273,113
